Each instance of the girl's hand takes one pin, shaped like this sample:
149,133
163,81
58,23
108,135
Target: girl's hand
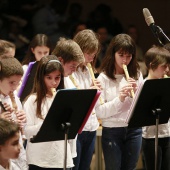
96,85
133,84
125,92
21,118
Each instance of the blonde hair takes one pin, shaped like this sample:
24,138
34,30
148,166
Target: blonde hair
68,50
87,40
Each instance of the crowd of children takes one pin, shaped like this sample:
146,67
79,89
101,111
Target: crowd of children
68,65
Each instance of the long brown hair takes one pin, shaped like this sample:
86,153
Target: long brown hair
38,40
45,67
125,43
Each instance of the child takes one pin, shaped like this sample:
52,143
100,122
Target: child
11,109
121,145
47,154
157,60
70,56
39,47
9,144
89,44
7,48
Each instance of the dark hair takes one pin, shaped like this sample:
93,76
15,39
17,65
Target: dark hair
156,55
45,67
7,130
10,66
124,43
38,40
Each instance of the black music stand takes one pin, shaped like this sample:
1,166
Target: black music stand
151,106
68,112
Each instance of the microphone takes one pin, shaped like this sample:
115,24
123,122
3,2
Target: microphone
149,20
154,28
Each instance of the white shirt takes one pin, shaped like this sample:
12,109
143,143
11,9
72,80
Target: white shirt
21,161
12,166
84,81
44,154
113,112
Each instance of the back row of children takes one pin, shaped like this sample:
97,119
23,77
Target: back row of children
121,145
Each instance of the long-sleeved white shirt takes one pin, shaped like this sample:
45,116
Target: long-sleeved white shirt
44,154
113,112
84,81
12,166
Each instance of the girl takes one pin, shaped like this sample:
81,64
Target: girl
44,155
89,44
39,46
157,60
121,145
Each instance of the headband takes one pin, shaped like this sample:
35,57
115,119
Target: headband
56,61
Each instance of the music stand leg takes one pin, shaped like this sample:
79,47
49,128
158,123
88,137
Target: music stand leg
156,112
65,127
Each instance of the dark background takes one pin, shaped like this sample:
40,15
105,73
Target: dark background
126,11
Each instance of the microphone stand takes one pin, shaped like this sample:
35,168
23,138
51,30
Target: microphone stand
159,30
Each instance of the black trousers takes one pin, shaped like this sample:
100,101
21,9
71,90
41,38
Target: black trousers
34,167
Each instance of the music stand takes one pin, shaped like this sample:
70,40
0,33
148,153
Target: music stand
69,110
28,81
151,106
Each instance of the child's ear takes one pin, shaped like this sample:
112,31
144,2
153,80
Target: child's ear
61,60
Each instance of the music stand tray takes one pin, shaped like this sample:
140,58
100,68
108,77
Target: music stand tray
69,111
151,106
154,94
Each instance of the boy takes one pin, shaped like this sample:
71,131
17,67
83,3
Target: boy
70,56
9,144
11,109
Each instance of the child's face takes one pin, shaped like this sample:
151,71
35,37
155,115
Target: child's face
160,71
9,84
70,67
120,59
40,51
89,57
52,80
11,148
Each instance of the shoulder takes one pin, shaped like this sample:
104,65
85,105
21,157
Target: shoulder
31,99
103,76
